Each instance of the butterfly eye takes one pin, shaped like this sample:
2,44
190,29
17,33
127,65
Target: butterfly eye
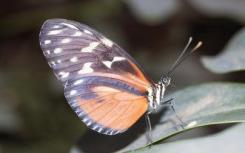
166,80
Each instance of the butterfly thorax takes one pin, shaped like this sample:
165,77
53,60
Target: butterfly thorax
156,93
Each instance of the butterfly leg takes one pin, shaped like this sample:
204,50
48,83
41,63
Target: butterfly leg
171,103
149,129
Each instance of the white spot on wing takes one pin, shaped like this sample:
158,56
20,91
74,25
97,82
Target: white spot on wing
54,32
59,61
95,127
107,132
78,82
107,42
73,92
56,26
65,40
48,52
57,50
85,119
88,32
107,63
47,42
74,104
77,34
90,47
115,59
79,112
52,63
89,123
86,68
70,25
100,129
118,58
64,74
74,59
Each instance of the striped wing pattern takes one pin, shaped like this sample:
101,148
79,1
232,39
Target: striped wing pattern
102,83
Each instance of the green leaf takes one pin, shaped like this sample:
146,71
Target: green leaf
214,143
231,59
212,103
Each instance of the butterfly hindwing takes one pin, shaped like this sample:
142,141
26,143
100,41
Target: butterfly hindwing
97,75
104,107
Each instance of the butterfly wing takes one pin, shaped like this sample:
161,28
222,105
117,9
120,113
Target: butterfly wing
103,84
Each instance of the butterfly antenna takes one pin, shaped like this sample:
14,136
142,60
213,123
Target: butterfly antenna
184,54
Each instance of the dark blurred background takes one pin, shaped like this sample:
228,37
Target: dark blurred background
34,115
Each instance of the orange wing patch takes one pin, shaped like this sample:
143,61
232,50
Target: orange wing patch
139,73
114,108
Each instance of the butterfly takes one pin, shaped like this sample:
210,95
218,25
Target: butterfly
103,84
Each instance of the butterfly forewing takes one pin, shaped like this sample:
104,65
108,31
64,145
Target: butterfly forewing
97,75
